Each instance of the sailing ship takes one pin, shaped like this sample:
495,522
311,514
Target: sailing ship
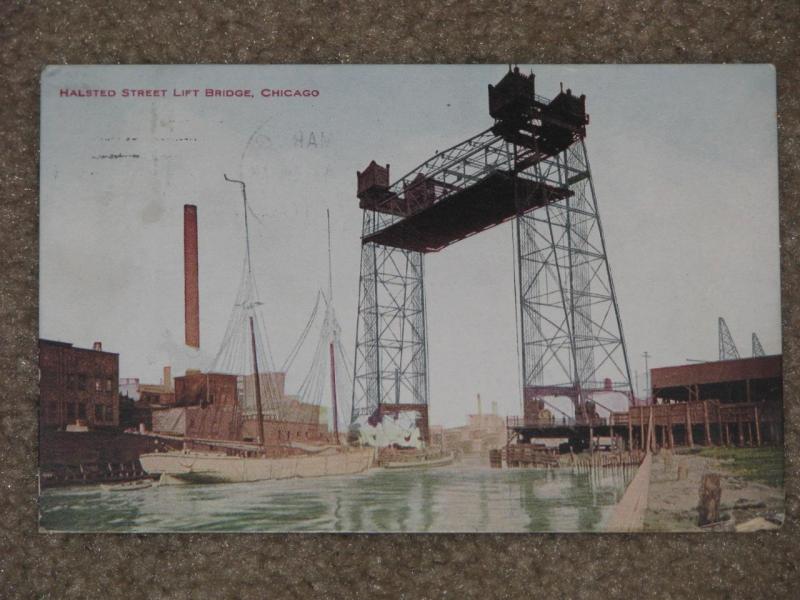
236,440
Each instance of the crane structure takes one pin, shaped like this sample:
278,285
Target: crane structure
727,347
758,349
532,167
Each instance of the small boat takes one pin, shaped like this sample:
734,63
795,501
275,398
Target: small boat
420,462
127,486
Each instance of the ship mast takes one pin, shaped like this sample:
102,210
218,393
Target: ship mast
258,389
250,306
334,404
246,227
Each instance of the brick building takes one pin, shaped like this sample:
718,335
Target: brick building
77,385
212,409
209,406
157,394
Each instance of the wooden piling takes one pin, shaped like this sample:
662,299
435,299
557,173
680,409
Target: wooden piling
641,427
706,422
689,436
630,430
710,496
758,426
669,427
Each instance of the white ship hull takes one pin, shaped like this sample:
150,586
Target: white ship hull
210,467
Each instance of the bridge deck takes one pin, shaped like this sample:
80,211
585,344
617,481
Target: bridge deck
458,215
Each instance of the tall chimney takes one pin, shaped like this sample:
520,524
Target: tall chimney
480,408
168,377
97,346
191,292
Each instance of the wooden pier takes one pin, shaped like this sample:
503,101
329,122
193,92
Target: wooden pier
674,424
706,422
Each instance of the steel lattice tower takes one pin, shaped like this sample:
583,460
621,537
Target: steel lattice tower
572,340
758,349
391,351
530,165
727,347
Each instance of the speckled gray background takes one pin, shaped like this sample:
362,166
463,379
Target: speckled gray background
33,34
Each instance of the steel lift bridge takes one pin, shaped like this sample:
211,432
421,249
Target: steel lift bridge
532,166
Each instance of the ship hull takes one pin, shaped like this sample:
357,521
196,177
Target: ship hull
207,467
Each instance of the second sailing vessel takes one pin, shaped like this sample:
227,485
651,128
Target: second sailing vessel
204,460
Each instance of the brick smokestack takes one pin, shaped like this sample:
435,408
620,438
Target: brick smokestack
168,377
191,293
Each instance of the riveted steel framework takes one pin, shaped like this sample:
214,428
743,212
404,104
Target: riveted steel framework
391,351
572,339
571,331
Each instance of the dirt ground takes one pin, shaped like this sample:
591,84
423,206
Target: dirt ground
745,505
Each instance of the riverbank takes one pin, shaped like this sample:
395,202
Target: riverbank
751,481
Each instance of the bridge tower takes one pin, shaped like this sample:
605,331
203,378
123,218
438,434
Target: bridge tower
530,165
391,361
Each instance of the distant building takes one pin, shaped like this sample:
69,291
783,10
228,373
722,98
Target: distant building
157,394
287,419
129,387
79,386
482,433
212,407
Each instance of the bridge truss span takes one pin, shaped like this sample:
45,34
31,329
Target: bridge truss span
532,166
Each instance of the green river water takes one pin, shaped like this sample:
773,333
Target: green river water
457,498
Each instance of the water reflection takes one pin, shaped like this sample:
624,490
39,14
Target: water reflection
456,498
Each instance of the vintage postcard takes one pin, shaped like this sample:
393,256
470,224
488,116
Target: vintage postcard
495,298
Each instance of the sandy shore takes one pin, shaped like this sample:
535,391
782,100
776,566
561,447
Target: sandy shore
745,505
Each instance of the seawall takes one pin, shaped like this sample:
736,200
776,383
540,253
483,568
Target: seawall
628,514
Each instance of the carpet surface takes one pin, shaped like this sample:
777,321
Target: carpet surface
36,33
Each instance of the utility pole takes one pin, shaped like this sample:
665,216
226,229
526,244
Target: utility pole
334,401
647,355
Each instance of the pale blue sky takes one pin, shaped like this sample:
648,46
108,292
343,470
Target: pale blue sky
684,160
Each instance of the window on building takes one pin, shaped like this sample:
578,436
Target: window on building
70,411
98,385
70,381
81,410
108,385
99,412
81,382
